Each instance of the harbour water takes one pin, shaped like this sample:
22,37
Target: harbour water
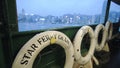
39,26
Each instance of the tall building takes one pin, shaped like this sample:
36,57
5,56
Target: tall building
23,17
23,11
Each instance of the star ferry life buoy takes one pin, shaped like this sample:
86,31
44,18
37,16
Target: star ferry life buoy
109,29
100,45
26,56
77,45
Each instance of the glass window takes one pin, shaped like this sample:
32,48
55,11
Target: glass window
114,13
48,14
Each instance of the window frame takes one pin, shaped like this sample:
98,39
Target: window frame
11,15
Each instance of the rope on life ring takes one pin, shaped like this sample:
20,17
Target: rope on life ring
95,60
77,45
109,29
27,54
99,46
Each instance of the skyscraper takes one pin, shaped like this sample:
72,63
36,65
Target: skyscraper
23,11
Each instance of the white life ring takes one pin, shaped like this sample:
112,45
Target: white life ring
32,48
77,44
106,47
105,50
89,64
104,36
109,29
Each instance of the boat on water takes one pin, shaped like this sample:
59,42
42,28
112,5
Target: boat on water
61,34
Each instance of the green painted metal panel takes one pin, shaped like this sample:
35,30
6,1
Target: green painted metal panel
11,15
2,58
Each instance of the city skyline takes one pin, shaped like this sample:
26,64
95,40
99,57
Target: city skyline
63,13
60,7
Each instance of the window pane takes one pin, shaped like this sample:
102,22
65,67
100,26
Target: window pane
114,14
48,14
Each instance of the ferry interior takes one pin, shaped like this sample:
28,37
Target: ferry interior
54,35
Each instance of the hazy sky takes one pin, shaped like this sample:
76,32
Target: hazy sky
60,7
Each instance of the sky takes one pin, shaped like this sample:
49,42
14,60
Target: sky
60,7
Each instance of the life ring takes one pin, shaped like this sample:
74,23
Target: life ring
77,44
32,48
100,45
106,47
109,29
89,64
103,55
